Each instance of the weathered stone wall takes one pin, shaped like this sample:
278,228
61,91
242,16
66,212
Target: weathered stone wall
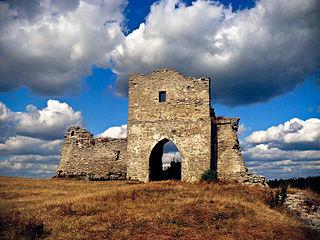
230,164
184,119
93,158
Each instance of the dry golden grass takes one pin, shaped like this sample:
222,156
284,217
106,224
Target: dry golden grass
69,209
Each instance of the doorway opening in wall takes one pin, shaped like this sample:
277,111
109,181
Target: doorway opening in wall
165,162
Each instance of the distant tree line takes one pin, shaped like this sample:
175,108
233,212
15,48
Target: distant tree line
312,183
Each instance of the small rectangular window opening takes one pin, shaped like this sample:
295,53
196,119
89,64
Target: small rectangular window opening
117,155
162,96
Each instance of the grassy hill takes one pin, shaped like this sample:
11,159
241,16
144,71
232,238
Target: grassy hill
69,209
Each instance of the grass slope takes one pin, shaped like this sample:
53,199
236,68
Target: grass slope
68,209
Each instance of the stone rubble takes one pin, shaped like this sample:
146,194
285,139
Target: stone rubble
305,208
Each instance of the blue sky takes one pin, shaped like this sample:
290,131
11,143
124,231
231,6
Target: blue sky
102,110
259,78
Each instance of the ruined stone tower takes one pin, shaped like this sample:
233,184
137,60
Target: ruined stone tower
167,106
163,106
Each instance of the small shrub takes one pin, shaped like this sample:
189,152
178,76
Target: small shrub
209,176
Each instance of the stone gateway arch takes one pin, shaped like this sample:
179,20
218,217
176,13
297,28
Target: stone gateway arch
163,106
166,105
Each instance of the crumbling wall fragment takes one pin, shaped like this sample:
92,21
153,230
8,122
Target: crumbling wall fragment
83,156
230,164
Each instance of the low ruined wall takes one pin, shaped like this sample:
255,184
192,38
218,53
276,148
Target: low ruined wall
93,158
230,164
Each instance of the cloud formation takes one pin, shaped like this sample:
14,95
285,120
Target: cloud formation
295,134
115,132
50,122
29,165
22,145
289,149
50,45
251,55
242,129
30,141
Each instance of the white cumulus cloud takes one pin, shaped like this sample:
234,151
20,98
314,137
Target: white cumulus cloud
294,134
30,141
27,145
251,55
115,132
265,152
291,149
50,122
50,45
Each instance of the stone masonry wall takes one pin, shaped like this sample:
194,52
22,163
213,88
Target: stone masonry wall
230,164
184,119
94,158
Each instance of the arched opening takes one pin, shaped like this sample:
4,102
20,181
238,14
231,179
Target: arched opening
164,162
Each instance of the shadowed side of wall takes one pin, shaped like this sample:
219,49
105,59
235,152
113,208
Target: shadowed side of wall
83,156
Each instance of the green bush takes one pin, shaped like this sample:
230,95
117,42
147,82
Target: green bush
209,176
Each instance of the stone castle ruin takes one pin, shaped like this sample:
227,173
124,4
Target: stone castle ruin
164,106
